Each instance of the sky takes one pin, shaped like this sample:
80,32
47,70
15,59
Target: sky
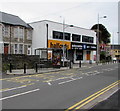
81,13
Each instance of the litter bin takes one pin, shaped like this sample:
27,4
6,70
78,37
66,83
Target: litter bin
90,61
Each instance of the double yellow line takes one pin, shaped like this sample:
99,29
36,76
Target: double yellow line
92,97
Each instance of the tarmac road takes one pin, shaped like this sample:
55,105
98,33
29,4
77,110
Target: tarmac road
60,90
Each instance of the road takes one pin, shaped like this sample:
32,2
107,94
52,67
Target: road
69,89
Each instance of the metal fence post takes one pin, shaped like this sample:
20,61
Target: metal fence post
70,64
10,67
80,64
36,67
24,68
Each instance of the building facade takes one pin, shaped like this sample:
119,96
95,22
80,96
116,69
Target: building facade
79,43
15,35
115,51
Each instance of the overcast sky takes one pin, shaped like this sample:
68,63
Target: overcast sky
76,12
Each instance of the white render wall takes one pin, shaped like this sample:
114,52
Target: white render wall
39,36
39,39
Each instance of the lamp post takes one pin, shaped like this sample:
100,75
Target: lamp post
64,39
98,49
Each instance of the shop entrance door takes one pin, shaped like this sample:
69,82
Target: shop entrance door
79,54
88,55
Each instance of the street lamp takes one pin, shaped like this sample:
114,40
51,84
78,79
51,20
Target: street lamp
64,39
98,49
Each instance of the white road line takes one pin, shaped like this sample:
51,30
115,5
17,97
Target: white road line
49,83
18,94
70,80
13,88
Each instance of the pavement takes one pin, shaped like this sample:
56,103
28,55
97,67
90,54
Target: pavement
45,70
112,103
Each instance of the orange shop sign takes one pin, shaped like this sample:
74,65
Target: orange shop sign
58,44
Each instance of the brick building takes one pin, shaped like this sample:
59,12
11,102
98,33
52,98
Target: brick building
15,35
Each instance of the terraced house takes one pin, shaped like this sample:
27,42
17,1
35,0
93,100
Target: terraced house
15,35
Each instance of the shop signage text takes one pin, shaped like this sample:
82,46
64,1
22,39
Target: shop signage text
58,44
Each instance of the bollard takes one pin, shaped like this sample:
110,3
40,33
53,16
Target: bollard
80,64
70,64
24,68
10,68
36,68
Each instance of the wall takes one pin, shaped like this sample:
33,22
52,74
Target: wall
18,61
39,36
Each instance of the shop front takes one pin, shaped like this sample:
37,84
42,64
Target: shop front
76,51
83,52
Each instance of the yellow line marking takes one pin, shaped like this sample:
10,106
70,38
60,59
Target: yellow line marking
91,96
94,97
4,89
16,87
28,84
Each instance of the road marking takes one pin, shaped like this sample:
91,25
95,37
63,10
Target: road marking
65,82
70,80
50,80
19,94
49,83
7,89
93,95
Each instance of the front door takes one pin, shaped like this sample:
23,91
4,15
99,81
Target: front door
6,48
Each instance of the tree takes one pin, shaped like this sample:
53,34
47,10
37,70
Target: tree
104,35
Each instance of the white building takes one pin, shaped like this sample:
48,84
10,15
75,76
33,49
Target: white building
80,43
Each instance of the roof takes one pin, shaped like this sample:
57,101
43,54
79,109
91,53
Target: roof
12,20
61,24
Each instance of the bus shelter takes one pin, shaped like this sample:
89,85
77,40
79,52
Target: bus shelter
51,55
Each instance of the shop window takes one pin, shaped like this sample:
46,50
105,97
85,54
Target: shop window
75,37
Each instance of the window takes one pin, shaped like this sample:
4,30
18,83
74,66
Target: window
29,50
15,32
75,37
29,34
87,39
7,31
20,49
21,32
16,49
67,36
57,35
